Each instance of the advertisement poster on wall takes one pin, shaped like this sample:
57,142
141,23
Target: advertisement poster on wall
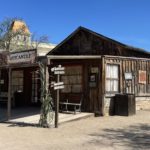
142,77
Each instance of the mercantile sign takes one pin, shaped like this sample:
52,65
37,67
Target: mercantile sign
21,57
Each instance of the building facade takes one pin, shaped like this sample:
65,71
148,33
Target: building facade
20,84
100,67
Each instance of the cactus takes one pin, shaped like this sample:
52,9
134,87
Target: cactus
47,115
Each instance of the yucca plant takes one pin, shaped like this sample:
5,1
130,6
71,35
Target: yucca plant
47,114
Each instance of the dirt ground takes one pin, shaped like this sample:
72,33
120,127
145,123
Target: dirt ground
94,133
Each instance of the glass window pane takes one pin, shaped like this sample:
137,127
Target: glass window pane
76,88
112,81
67,89
108,71
108,85
115,71
115,85
72,79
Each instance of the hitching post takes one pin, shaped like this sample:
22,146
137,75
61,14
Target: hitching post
9,95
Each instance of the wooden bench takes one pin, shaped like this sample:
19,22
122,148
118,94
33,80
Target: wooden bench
4,97
70,102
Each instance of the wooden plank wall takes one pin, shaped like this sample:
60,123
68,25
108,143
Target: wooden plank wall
92,95
132,65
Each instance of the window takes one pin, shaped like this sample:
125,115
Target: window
17,81
35,88
24,39
112,78
72,79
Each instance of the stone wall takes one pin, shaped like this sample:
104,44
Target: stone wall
109,106
142,103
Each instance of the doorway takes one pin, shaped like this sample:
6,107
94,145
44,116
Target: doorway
25,87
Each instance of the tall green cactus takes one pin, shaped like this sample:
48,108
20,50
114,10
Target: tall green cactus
47,114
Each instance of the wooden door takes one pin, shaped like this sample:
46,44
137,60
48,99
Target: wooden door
93,83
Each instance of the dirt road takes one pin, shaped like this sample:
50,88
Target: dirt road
100,133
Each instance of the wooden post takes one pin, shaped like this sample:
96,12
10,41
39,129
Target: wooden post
9,95
47,78
57,104
103,85
0,79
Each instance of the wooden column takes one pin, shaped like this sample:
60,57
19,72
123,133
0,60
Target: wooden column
57,105
9,94
47,78
103,85
0,79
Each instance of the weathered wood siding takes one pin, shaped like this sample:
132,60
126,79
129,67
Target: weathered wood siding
86,42
96,99
141,91
133,66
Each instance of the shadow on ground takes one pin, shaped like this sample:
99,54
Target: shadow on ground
19,112
135,137
13,124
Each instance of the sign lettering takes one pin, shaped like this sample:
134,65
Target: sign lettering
59,72
59,83
21,57
58,87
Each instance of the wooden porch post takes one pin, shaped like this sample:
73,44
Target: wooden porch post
47,77
9,94
103,85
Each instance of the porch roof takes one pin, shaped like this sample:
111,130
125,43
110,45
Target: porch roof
92,57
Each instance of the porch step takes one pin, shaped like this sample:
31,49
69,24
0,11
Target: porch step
33,120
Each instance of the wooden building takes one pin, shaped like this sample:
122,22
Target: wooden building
99,67
19,80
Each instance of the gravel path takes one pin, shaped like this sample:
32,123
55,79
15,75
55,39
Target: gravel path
100,133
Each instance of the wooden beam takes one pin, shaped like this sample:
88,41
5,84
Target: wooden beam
123,57
73,57
9,94
92,57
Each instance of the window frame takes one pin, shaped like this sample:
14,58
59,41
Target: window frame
73,84
35,97
17,81
112,79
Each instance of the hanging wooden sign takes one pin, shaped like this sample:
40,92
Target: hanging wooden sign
59,72
59,87
21,57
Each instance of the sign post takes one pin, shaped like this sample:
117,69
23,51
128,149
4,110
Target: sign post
57,86
57,104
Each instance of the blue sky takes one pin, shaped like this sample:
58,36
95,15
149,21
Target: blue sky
127,21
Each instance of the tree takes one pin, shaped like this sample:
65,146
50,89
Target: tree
17,36
7,35
37,40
